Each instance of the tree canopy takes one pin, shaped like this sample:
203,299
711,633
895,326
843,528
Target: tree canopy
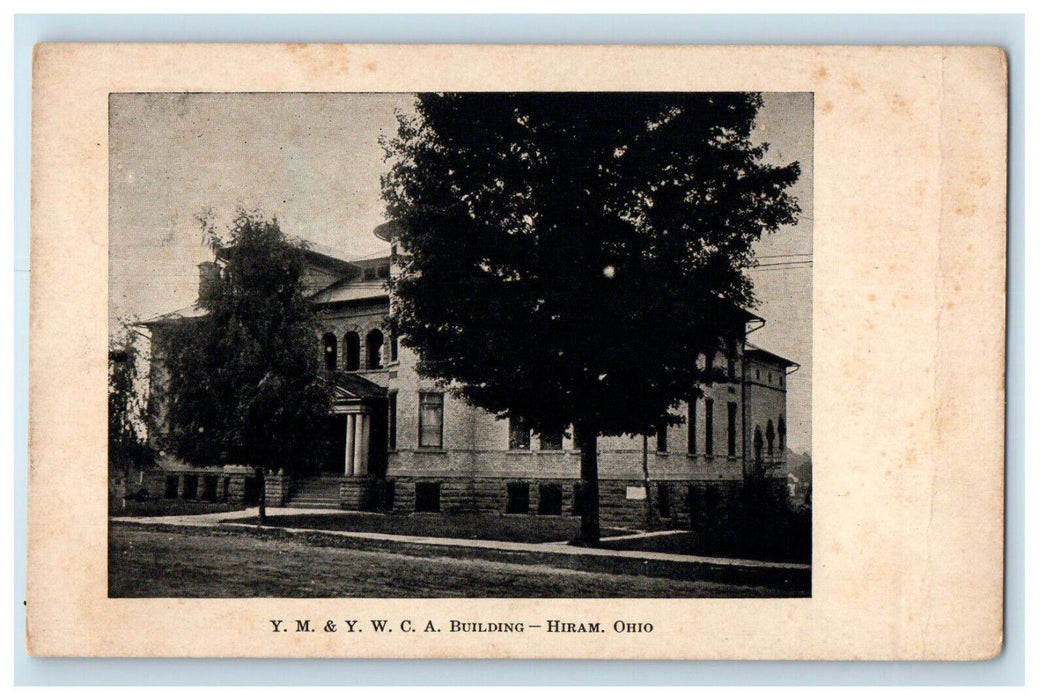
243,380
571,254
567,256
128,447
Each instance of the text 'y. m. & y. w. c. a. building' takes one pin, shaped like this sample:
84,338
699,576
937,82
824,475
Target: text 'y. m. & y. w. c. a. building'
403,443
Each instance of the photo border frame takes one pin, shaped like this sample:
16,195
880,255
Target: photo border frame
1000,30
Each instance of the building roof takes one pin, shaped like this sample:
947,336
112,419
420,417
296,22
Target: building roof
755,351
322,256
351,290
352,387
193,311
372,257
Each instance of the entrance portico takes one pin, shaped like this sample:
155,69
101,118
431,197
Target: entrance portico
361,404
357,439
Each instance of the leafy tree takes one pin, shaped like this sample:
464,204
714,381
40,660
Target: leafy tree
243,383
127,409
568,256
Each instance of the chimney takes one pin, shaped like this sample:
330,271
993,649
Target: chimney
209,276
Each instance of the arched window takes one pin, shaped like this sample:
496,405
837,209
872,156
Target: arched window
781,434
374,342
352,351
758,444
770,437
330,351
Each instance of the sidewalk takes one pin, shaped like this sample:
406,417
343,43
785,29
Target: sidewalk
555,553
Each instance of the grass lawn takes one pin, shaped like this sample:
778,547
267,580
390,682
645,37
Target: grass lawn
691,543
472,526
216,563
170,507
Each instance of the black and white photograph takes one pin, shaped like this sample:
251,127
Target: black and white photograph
460,345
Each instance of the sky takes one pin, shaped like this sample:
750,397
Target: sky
314,161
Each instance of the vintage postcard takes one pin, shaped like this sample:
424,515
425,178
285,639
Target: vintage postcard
517,351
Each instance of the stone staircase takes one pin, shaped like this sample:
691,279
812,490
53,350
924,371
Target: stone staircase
316,492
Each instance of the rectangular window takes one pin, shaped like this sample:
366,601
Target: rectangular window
662,434
551,442
518,498
664,500
430,427
518,434
426,496
730,368
731,429
691,426
392,420
708,427
394,348
550,499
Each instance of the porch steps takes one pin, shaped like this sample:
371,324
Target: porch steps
316,492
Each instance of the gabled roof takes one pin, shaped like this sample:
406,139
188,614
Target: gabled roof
330,257
350,290
352,387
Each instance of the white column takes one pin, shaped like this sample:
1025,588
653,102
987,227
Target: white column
350,442
358,465
364,437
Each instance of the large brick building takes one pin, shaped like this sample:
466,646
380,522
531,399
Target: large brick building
402,442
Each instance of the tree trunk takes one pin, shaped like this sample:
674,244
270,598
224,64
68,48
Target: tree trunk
261,501
648,498
589,535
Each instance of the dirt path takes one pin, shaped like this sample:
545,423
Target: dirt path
187,564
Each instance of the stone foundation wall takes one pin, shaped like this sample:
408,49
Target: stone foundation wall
277,488
622,503
356,493
215,485
236,489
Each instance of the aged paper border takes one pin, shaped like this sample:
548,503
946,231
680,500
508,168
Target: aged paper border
909,319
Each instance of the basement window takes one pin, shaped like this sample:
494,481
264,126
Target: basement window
518,498
426,497
550,499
